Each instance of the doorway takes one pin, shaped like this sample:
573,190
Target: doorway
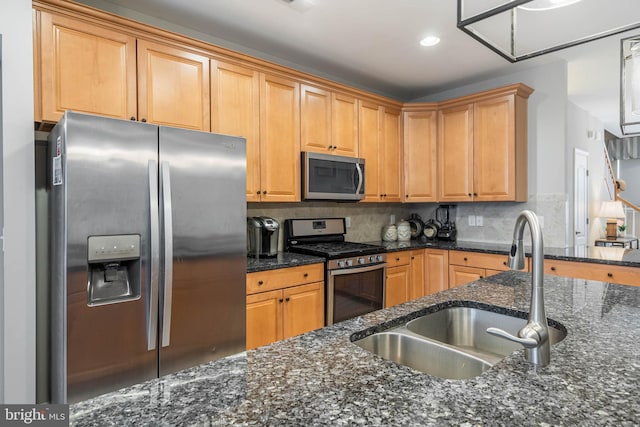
581,201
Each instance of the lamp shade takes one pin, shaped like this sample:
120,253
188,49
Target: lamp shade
612,210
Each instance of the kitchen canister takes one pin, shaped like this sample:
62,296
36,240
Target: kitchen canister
404,231
389,233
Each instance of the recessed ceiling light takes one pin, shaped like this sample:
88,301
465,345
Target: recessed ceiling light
430,41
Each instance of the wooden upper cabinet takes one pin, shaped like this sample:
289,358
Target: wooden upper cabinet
173,86
494,156
279,139
369,144
420,161
482,146
344,124
329,122
455,153
235,110
315,117
84,67
392,149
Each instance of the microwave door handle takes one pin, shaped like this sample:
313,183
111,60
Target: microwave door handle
360,178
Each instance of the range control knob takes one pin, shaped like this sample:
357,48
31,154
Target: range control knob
379,258
360,260
341,264
349,262
372,258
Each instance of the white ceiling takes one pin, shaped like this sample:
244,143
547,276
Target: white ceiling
373,44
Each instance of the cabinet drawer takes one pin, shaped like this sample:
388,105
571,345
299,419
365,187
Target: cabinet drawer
477,259
284,277
601,272
395,259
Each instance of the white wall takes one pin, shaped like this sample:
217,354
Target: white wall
18,297
630,173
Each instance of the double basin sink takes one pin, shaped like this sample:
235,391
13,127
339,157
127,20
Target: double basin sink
450,340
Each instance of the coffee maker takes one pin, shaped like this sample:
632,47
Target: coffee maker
262,236
446,215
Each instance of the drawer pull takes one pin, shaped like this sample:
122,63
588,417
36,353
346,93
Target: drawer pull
305,275
287,299
465,259
260,283
397,259
609,274
280,300
553,269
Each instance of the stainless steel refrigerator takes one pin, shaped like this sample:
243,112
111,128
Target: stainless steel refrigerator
148,249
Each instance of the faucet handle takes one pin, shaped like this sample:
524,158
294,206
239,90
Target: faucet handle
528,342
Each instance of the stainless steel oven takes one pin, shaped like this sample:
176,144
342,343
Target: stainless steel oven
355,290
354,273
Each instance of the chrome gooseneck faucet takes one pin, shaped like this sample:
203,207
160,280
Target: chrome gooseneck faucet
534,336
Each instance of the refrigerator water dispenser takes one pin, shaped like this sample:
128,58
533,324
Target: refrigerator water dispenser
114,269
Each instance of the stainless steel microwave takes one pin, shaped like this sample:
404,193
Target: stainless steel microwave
329,177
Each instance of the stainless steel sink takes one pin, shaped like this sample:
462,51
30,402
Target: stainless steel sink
466,329
422,355
452,342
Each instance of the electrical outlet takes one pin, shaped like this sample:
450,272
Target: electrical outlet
347,221
479,220
472,221
392,219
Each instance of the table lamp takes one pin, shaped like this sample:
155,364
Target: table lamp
612,211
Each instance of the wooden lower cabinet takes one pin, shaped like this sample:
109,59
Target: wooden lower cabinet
465,267
287,310
592,271
436,270
397,286
417,274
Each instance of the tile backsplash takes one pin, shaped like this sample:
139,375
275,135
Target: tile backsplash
367,219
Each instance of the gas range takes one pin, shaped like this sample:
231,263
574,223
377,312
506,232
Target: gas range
325,237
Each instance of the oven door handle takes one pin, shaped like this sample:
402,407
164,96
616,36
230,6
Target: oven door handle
342,271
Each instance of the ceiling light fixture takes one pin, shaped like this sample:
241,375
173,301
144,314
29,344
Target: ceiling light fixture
523,29
430,41
630,85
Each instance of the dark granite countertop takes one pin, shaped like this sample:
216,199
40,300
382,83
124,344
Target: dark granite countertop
590,254
322,378
283,260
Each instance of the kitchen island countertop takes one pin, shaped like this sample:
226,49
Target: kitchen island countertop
322,378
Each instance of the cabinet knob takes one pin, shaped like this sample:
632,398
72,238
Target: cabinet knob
260,283
264,192
305,275
609,274
406,196
475,194
553,269
144,120
397,259
469,194
287,299
133,119
504,262
258,192
465,259
280,300
413,257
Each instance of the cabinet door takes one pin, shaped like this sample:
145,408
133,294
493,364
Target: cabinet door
315,119
303,309
396,286
437,270
264,318
173,86
235,110
420,161
459,275
391,166
494,150
455,153
344,124
417,278
279,139
369,116
85,68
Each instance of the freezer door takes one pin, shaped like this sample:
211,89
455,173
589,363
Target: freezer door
100,193
203,217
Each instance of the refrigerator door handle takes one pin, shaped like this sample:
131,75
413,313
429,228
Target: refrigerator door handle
168,253
152,300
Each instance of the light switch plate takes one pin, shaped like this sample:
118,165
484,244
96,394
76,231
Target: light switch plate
472,221
347,221
479,220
